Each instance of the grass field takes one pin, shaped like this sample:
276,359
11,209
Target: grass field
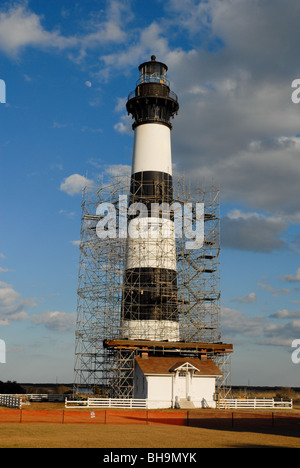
131,436
55,435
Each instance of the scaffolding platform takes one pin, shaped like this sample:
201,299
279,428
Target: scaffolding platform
169,346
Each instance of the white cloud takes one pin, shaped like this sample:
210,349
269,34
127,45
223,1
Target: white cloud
124,126
76,243
261,329
118,170
234,322
20,27
281,335
59,125
275,291
252,231
68,214
236,122
12,305
55,320
248,299
292,278
151,39
284,314
74,184
121,104
105,32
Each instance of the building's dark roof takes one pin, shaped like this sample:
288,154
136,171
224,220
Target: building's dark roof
166,365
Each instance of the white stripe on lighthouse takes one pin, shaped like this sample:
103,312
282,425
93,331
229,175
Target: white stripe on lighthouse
157,330
156,249
152,149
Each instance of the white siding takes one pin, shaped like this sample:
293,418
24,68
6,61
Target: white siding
162,391
202,391
159,391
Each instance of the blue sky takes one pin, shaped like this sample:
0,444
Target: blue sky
68,68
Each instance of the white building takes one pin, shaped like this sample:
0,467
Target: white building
175,381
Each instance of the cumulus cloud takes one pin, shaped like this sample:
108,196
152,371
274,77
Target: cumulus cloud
234,322
252,231
281,335
55,320
74,184
124,126
75,242
248,299
236,123
292,278
275,291
13,307
262,330
285,314
118,170
20,27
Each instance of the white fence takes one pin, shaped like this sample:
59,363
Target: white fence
15,401
44,397
232,403
11,401
106,403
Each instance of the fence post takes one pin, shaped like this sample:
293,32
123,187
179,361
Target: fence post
20,415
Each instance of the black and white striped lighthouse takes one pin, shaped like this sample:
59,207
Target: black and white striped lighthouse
149,303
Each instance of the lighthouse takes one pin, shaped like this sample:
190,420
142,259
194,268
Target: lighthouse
149,299
148,308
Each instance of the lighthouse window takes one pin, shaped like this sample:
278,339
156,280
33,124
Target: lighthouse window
153,72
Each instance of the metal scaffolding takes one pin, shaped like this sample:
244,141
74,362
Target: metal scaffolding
99,290
102,288
198,270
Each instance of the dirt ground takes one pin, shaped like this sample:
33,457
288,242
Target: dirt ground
55,435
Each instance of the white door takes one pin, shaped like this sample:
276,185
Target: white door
181,384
